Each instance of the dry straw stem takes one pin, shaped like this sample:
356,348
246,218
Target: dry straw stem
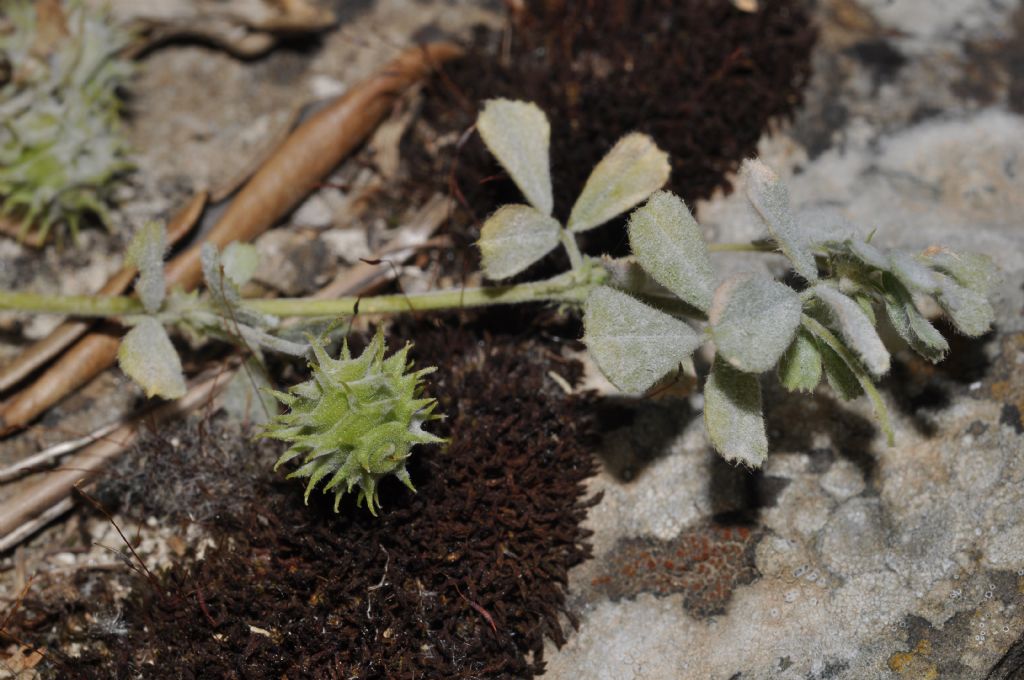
63,335
289,175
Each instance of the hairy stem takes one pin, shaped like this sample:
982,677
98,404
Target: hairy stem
571,287
572,249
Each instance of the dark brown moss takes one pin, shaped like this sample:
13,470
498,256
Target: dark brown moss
463,579
702,77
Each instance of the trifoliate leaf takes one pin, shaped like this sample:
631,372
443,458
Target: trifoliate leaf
971,270
732,414
147,356
770,197
633,344
146,253
800,366
911,273
633,170
667,241
239,261
969,310
515,237
909,323
856,329
518,134
753,320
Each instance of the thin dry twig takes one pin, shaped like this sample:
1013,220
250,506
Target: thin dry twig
54,487
45,457
289,175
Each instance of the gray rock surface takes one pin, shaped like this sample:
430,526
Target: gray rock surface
862,561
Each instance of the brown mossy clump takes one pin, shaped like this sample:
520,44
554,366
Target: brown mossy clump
702,77
464,578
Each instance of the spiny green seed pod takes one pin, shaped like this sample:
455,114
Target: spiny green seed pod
61,145
355,421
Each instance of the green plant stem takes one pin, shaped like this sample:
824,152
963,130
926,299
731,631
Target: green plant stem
73,305
571,287
572,249
564,288
881,412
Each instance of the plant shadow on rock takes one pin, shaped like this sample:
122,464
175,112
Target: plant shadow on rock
463,579
918,386
703,78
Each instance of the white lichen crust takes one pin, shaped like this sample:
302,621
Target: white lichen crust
61,145
355,421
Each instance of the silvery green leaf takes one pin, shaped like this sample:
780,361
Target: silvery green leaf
910,324
515,237
753,320
856,329
971,270
147,356
257,338
800,366
669,246
732,414
518,134
825,225
840,377
868,254
225,293
146,253
969,310
867,305
239,261
911,273
633,344
770,197
633,170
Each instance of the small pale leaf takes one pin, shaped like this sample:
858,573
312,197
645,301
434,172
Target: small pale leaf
732,414
840,377
515,237
856,329
911,273
753,320
147,356
239,261
633,170
825,225
633,344
146,253
868,254
970,311
800,367
518,134
667,241
971,270
770,197
909,323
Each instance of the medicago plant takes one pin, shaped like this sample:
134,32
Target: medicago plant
356,419
61,145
